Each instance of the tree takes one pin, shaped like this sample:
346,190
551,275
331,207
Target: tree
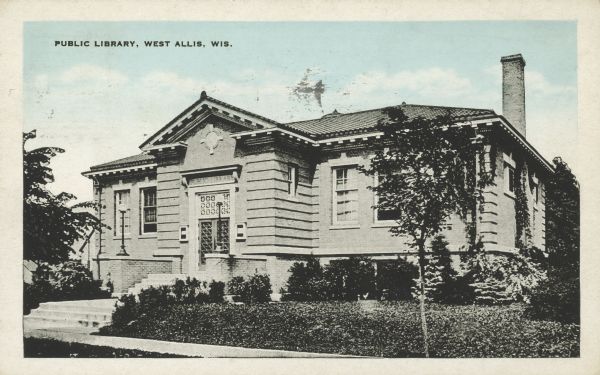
558,297
427,172
562,218
50,225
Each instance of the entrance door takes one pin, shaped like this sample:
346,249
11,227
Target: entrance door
214,237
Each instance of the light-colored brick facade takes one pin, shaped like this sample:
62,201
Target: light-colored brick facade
214,149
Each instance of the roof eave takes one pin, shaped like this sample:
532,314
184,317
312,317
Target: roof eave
119,169
516,135
199,105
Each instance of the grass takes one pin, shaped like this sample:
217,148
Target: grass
48,348
369,328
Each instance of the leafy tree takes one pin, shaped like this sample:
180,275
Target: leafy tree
562,218
427,172
558,297
50,225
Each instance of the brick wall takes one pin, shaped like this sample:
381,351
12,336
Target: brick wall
124,273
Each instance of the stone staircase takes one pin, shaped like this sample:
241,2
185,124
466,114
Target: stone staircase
84,313
155,280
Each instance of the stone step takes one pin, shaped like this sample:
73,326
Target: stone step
77,315
63,322
106,307
165,276
155,280
83,313
83,302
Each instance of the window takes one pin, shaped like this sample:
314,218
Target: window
380,214
345,201
148,211
509,176
122,219
292,180
510,179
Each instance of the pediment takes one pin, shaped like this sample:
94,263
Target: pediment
206,111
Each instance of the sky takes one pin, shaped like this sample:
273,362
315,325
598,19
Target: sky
101,103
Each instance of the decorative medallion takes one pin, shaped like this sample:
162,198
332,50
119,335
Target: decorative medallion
211,138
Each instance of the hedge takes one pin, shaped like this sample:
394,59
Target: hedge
367,328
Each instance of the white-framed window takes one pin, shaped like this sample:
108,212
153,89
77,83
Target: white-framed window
383,215
345,199
122,219
292,180
148,210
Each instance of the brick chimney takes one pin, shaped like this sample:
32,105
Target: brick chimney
513,90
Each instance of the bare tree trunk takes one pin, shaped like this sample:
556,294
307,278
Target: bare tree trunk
422,299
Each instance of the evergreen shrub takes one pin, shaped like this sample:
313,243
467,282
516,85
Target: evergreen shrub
396,278
306,281
256,289
216,291
351,279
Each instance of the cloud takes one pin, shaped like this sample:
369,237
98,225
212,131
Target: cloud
427,82
537,84
99,114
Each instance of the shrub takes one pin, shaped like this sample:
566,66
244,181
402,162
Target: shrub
556,298
491,292
236,286
256,289
127,310
458,291
351,279
152,298
512,274
306,281
396,278
216,291
65,281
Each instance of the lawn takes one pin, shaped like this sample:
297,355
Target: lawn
48,348
369,328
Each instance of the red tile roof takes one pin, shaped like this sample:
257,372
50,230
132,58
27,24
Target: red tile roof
338,124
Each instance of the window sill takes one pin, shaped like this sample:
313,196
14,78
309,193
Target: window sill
510,195
384,224
148,235
344,226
